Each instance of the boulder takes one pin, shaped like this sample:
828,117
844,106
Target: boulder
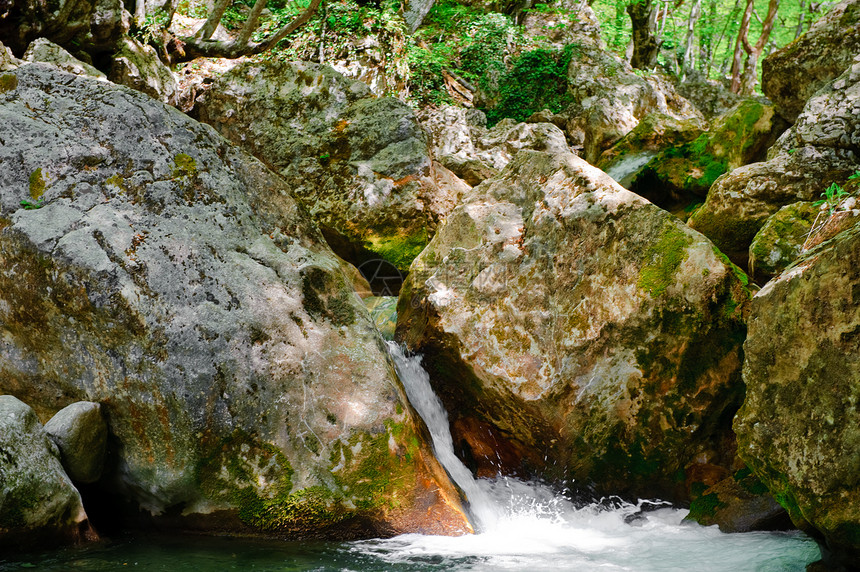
83,26
739,503
460,141
609,99
579,331
45,51
38,503
150,266
799,427
80,433
710,97
682,174
360,164
137,66
414,12
821,148
780,241
565,22
654,133
792,75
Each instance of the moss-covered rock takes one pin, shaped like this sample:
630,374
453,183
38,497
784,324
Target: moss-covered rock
790,76
609,99
38,502
799,427
383,311
360,164
654,133
580,330
87,26
781,239
172,278
138,66
739,503
684,172
821,148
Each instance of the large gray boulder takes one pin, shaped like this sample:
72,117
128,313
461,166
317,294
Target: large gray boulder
821,148
609,99
460,140
38,502
161,272
80,432
579,332
360,164
799,427
793,74
45,51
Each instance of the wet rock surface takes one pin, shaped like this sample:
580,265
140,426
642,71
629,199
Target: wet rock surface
39,505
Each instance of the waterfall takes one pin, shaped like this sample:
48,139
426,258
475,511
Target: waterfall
416,381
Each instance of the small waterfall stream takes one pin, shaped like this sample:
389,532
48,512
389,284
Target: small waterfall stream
527,526
416,381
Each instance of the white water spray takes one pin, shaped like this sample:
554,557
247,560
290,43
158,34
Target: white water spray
525,526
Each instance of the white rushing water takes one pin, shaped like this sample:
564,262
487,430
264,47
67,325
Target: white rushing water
526,526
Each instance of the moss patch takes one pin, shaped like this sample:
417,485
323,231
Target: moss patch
400,250
662,259
705,507
184,166
8,82
37,184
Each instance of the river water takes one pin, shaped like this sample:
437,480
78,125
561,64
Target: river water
523,527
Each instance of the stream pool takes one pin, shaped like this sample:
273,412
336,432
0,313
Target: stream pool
531,538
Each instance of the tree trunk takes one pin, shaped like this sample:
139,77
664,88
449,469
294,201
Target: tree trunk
643,18
746,85
200,45
737,58
689,60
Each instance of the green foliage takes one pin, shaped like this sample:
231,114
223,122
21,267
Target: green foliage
537,80
150,30
490,36
426,65
831,197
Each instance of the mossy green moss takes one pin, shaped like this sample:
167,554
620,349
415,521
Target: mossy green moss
184,166
37,184
729,232
8,82
117,181
705,507
663,258
376,469
399,249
